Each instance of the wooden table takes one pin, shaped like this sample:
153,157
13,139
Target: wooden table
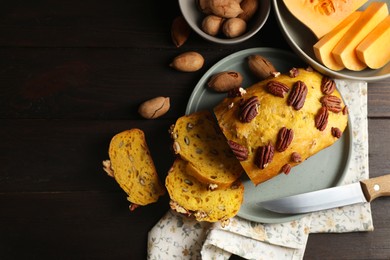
73,74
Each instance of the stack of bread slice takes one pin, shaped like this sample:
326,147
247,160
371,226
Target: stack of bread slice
204,180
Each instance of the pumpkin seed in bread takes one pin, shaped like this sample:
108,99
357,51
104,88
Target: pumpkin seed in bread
280,122
192,197
198,140
133,168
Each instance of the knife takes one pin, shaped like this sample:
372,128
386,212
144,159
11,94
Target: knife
359,192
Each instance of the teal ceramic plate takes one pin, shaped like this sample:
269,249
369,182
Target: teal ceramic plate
323,170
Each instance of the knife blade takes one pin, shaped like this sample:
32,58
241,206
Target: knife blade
360,192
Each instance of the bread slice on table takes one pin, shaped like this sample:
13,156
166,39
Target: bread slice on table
132,166
198,140
194,198
280,122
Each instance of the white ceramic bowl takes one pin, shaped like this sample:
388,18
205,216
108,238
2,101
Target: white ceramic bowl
301,40
194,17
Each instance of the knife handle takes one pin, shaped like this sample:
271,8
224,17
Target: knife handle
376,187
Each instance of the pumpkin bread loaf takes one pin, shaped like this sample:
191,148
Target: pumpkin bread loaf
198,140
194,198
281,121
133,168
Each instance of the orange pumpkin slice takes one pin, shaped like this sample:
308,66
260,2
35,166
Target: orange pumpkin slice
344,52
321,16
374,49
323,48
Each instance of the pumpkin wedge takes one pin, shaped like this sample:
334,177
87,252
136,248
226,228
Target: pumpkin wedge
321,16
323,48
374,50
344,51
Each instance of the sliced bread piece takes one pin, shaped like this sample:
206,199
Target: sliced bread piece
132,166
191,197
199,141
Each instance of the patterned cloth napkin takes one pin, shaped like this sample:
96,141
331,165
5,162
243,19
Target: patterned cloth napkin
178,237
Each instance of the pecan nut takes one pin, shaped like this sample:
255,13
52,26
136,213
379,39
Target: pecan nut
296,157
327,85
332,103
294,72
285,137
286,168
345,110
264,155
277,88
336,132
240,151
249,109
236,92
321,119
297,97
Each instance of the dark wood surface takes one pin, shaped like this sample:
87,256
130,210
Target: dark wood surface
72,75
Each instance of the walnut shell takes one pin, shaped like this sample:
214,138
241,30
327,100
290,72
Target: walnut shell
212,24
225,8
204,6
234,27
249,8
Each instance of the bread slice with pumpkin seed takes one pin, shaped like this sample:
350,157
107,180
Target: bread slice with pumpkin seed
132,166
194,198
198,140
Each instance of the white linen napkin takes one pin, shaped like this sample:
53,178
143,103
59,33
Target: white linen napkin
178,237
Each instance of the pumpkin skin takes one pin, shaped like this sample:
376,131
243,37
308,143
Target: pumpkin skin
321,16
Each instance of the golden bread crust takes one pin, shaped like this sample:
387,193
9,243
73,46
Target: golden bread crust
133,167
198,140
198,199
273,114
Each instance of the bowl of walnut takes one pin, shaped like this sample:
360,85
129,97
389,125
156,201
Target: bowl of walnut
225,21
